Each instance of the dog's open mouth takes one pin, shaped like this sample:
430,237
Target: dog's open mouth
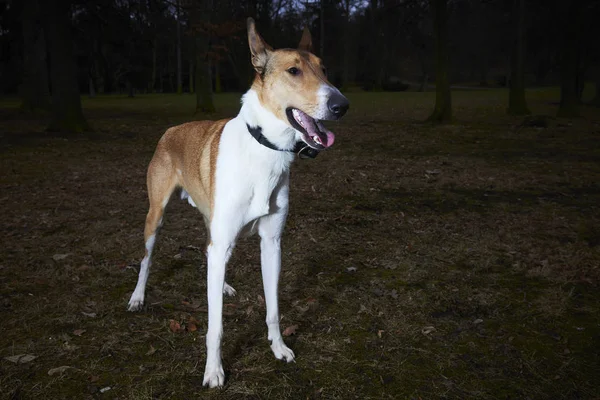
313,132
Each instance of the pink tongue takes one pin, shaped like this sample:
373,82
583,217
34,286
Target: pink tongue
327,137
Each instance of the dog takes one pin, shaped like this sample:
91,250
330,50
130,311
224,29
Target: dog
236,173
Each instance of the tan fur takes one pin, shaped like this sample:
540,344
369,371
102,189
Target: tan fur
186,157
278,89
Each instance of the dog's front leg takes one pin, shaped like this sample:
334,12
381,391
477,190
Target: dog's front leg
218,255
270,230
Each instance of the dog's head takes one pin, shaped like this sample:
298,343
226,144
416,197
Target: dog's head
292,84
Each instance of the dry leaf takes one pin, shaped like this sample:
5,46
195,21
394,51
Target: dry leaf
89,314
58,370
379,333
290,330
174,326
59,257
151,351
79,332
21,358
191,327
427,330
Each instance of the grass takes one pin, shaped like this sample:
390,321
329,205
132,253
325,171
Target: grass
419,261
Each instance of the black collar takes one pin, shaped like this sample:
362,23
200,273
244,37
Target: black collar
301,148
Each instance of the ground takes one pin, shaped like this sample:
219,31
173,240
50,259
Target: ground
419,261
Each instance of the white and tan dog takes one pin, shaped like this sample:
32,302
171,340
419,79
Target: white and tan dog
236,172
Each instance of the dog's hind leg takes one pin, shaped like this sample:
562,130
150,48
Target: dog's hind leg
161,183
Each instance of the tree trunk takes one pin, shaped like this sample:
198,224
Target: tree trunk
569,60
204,94
443,99
346,47
218,87
92,91
203,78
179,77
191,75
517,105
152,83
66,100
596,100
322,30
34,91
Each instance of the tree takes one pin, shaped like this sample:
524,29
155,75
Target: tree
67,115
443,101
569,61
200,19
179,77
517,104
34,90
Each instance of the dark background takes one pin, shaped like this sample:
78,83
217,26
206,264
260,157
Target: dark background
59,47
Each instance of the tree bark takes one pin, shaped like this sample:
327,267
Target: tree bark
346,47
191,75
322,30
517,105
179,77
204,93
218,87
596,100
152,83
66,100
203,78
569,62
443,100
34,91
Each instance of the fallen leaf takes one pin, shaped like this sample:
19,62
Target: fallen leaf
59,257
427,330
79,332
93,378
174,326
58,370
151,351
89,314
191,327
21,358
290,330
379,333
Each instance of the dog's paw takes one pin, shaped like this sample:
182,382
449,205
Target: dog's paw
281,351
228,290
214,377
135,303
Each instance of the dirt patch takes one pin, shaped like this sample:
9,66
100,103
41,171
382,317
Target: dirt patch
418,261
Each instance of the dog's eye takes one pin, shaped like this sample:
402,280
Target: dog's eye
294,71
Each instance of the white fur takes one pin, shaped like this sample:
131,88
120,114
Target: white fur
323,94
137,298
251,185
251,194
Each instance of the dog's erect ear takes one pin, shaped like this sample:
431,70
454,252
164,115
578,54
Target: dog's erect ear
259,50
306,41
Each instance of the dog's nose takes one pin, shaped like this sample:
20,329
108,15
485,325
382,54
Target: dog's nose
338,105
